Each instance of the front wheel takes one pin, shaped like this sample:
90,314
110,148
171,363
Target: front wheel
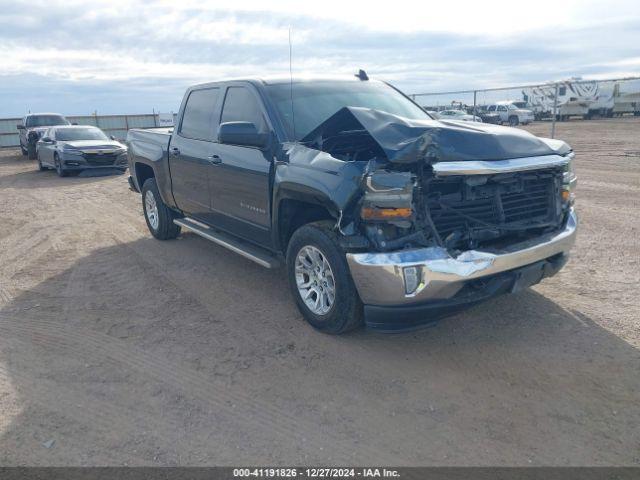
40,166
31,151
513,121
158,216
59,168
320,281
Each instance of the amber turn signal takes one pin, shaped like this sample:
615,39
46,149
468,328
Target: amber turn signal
369,213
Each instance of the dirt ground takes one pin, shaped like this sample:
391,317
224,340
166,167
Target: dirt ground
118,349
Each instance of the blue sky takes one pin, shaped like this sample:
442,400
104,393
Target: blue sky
131,57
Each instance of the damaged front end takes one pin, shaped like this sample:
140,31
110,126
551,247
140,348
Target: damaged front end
441,203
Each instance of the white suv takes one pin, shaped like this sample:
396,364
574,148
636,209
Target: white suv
511,114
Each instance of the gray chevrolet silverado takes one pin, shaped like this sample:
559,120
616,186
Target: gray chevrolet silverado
33,127
380,214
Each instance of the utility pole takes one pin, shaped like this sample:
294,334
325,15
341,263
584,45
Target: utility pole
555,113
474,102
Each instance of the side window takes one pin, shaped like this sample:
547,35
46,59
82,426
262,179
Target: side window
562,91
197,120
51,133
240,105
502,108
492,108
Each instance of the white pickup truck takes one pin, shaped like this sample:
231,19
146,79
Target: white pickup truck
511,114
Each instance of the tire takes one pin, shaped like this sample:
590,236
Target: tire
160,220
23,150
513,121
59,169
345,312
31,151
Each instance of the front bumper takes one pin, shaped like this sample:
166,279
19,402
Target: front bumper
78,162
379,277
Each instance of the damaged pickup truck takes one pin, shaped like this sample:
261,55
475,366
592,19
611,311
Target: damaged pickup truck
380,214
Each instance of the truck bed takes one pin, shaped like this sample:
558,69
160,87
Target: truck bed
149,143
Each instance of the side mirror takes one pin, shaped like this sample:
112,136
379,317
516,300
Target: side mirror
46,140
20,127
112,137
242,133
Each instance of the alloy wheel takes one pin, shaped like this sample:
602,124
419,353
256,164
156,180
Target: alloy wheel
151,209
315,280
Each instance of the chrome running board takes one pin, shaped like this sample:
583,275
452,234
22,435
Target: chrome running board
247,250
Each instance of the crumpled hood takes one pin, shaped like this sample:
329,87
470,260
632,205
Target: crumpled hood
406,140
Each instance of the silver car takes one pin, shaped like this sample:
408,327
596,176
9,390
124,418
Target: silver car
458,115
77,148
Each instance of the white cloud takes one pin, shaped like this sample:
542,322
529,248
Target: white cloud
428,46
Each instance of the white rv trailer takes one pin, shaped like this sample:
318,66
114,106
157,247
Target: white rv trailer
585,98
616,98
573,98
626,97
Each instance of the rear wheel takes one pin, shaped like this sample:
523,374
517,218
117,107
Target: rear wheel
320,281
158,216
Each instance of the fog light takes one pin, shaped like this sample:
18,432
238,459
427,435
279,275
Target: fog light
411,279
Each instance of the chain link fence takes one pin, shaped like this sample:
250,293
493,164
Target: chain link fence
552,102
522,104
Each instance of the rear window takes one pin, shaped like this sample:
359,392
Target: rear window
198,121
46,120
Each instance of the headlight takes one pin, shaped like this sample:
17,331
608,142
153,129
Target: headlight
71,150
569,181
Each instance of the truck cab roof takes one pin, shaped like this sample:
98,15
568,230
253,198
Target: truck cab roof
284,79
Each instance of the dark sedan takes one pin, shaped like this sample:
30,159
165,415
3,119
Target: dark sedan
76,148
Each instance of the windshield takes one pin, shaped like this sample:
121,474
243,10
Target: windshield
70,134
46,120
314,102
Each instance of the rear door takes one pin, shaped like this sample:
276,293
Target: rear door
239,181
190,152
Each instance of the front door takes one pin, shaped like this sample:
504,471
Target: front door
239,180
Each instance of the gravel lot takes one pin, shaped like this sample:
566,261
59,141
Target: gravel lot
124,350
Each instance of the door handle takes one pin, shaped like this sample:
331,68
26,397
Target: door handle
214,159
175,151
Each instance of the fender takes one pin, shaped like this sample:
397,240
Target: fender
143,151
315,177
